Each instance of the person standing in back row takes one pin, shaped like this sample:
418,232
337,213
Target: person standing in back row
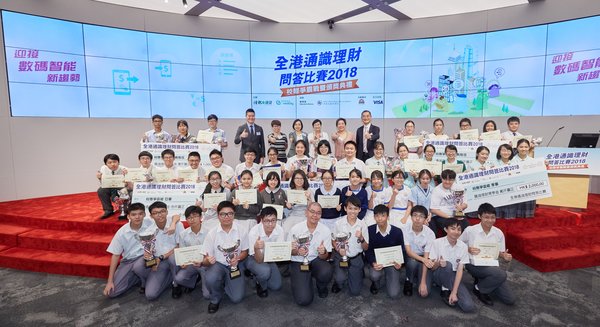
251,135
366,136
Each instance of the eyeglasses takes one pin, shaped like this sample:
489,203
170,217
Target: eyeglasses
226,214
159,212
269,221
314,212
215,158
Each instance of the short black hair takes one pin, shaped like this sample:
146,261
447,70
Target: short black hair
135,207
513,119
419,209
317,121
111,156
193,154
451,222
507,147
157,116
489,121
354,200
225,204
275,122
250,110
273,175
215,151
381,209
167,151
486,208
448,174
192,209
450,147
301,173
267,211
301,123
464,120
212,116
145,154
326,143
157,205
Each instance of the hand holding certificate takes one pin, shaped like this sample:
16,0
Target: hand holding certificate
413,165
342,170
213,199
162,175
458,168
488,255
136,175
491,136
247,196
470,134
412,141
113,181
324,162
329,201
296,197
277,251
204,136
189,255
389,256
434,166
188,174
267,169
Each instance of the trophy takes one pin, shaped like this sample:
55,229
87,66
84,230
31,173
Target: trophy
122,200
341,240
303,241
458,193
148,240
389,165
160,137
302,164
229,252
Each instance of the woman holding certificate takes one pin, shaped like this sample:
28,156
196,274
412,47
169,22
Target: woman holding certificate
434,166
273,194
398,201
356,188
273,165
377,161
324,161
213,194
246,200
300,161
481,159
398,164
295,136
329,197
184,135
299,197
505,156
408,137
524,209
438,131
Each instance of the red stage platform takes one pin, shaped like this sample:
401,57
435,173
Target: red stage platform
63,235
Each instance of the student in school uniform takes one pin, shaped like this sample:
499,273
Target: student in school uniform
398,200
210,219
489,280
505,155
355,188
246,212
330,215
418,238
111,167
376,194
442,203
451,153
297,213
523,209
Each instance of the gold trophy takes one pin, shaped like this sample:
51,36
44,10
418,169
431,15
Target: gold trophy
341,240
229,252
458,193
148,240
303,241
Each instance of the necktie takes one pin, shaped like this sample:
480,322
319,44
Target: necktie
113,172
252,129
514,134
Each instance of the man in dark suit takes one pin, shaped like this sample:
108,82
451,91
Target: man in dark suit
251,136
366,136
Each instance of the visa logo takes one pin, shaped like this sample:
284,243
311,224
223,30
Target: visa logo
377,101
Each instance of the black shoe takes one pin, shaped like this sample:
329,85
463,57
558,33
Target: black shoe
176,292
188,290
260,291
323,292
107,214
484,298
142,290
374,290
446,298
248,273
212,307
408,288
335,288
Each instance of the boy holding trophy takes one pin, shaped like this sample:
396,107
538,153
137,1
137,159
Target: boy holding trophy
447,201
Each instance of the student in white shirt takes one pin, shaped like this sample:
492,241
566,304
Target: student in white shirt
438,131
156,135
398,195
111,167
513,124
194,163
418,239
168,158
482,161
316,136
442,203
488,279
227,173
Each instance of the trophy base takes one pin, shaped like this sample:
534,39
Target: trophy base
304,267
150,263
234,274
459,214
344,264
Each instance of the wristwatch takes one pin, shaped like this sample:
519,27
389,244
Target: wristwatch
161,257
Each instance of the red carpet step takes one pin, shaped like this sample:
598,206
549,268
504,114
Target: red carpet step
9,234
65,241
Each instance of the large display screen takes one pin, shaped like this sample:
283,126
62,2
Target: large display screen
81,70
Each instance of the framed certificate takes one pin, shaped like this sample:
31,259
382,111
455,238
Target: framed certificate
324,162
113,181
470,134
188,174
204,136
189,255
277,207
415,165
136,175
488,255
212,199
329,201
277,251
267,169
458,168
296,196
247,196
342,170
434,166
491,136
387,256
412,141
162,175
371,168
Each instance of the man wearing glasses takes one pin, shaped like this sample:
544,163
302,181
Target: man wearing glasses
267,274
317,251
156,135
221,264
227,173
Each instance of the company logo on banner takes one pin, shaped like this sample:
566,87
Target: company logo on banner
575,161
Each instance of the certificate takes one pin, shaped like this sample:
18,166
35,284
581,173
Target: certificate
136,175
519,137
387,256
329,201
212,199
413,141
434,166
415,165
373,167
277,251
470,134
189,255
188,174
342,170
247,196
491,136
267,169
113,181
162,175
277,207
256,180
204,136
296,196
324,162
488,255
458,168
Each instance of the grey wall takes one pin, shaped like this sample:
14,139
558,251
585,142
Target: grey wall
51,156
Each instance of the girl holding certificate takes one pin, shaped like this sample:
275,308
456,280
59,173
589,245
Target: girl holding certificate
329,215
300,160
184,135
295,136
324,161
438,131
524,209
356,188
273,194
377,160
505,156
299,197
315,137
429,152
451,152
489,126
246,200
398,164
420,194
209,207
409,130
481,159
398,203
272,156
376,194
